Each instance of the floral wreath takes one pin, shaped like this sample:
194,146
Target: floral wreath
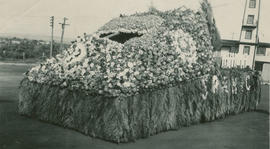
203,81
234,86
224,84
247,83
215,83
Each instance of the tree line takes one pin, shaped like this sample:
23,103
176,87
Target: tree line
15,48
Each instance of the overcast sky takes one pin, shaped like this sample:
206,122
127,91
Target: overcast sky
32,16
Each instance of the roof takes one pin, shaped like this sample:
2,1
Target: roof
229,43
234,43
264,44
133,23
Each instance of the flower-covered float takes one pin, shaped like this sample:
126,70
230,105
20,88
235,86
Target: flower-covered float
139,75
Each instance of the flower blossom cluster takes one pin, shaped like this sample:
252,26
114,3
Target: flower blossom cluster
172,48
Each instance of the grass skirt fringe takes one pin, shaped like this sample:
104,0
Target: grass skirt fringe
138,116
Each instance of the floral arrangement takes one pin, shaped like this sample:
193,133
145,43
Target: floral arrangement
140,24
173,46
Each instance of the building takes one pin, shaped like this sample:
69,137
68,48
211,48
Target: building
262,56
232,55
248,51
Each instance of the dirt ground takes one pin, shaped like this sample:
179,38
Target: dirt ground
244,131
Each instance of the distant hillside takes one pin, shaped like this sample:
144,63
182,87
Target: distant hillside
36,37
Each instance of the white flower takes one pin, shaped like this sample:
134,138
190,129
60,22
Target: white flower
127,84
130,64
112,64
110,85
139,62
136,73
92,73
51,60
183,44
103,50
111,75
126,70
83,71
122,73
92,65
108,58
64,84
85,63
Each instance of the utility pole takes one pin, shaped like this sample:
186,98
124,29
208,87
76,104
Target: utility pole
52,25
63,30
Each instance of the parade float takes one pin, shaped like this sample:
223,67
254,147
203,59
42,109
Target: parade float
139,75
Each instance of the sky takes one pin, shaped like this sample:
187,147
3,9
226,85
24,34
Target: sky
86,16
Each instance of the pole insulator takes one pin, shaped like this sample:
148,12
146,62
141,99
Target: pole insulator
52,21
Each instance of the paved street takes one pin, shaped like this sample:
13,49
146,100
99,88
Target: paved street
264,104
244,131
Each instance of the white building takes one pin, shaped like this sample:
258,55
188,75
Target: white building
233,56
247,51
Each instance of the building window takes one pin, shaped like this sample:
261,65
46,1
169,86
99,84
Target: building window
246,50
248,34
252,4
250,19
261,51
234,50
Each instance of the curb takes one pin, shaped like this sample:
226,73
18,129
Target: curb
19,64
262,111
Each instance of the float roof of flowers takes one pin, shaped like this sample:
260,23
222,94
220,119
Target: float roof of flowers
133,23
131,54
